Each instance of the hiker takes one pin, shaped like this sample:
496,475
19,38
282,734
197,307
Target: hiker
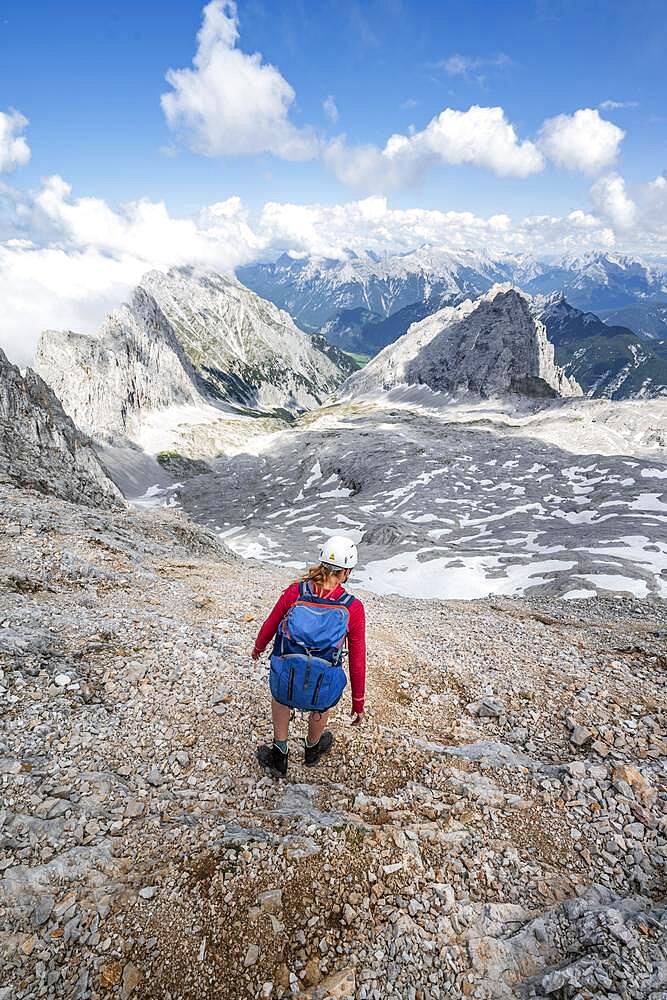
310,622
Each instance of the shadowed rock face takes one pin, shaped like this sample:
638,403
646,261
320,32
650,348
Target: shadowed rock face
488,347
135,365
41,449
185,339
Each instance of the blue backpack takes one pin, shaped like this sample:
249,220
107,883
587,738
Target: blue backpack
306,663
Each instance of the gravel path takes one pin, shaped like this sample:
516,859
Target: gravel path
498,829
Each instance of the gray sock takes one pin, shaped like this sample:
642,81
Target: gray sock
281,744
311,745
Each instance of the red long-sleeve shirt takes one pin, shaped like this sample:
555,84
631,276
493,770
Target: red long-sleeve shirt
356,636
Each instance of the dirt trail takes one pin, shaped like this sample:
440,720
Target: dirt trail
497,829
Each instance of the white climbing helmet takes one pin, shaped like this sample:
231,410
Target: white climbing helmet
339,552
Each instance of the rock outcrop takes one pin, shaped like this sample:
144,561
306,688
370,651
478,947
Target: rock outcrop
190,339
41,449
489,347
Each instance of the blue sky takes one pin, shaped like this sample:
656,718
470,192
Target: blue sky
89,78
504,127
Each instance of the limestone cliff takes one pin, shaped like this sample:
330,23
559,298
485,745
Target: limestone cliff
41,449
184,339
490,346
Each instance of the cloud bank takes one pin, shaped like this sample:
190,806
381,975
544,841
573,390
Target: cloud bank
86,255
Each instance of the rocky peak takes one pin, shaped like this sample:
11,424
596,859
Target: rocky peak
41,449
185,338
491,346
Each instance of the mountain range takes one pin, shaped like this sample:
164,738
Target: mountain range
489,347
315,290
606,358
646,319
455,441
609,361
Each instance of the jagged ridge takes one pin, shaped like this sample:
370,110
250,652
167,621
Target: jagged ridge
185,339
488,347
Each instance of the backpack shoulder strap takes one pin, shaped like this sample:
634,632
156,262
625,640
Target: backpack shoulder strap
303,589
346,600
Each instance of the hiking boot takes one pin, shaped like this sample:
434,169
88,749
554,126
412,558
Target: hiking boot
323,745
273,759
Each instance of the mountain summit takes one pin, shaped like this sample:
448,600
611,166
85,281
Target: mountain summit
186,338
489,347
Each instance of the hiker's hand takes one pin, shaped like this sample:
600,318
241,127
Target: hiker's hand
255,654
358,718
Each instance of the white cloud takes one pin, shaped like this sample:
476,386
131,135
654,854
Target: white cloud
617,105
53,287
371,224
652,206
145,230
611,200
232,103
458,65
582,141
93,253
97,255
479,136
330,108
14,150
583,220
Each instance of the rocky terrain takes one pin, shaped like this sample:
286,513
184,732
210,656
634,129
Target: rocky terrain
496,830
40,448
454,503
186,340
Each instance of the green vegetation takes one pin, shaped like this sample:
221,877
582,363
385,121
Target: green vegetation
182,466
360,359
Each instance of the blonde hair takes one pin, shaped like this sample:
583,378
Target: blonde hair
320,574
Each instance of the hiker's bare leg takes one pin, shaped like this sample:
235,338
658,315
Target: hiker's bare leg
316,723
281,716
